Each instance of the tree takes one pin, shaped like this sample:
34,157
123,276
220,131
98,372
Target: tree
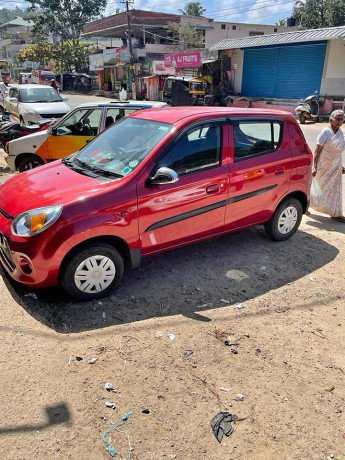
281,23
185,35
65,18
75,56
313,14
193,9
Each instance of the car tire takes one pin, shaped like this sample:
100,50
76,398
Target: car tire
285,220
93,272
301,118
29,162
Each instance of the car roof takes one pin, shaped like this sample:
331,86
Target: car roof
175,114
123,104
30,86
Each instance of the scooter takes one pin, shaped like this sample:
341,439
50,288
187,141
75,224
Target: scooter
5,119
309,108
14,130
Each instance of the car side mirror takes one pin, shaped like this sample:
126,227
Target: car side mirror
164,176
54,130
13,100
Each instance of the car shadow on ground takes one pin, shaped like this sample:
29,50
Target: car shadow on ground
225,270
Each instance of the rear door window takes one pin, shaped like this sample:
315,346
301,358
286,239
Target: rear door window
116,113
253,138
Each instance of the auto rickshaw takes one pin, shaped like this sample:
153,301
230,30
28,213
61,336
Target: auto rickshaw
184,91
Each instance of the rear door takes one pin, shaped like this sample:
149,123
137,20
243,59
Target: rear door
73,133
260,170
194,206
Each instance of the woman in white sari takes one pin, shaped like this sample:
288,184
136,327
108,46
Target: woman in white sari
328,169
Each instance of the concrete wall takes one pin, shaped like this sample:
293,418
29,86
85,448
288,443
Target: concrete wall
333,78
215,31
237,69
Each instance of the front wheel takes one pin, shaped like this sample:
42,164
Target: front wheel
29,162
285,220
93,272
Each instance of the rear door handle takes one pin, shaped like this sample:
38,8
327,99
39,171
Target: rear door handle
279,172
212,189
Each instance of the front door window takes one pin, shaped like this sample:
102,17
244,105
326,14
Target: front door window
83,122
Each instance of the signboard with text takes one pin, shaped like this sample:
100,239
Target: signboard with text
182,60
158,68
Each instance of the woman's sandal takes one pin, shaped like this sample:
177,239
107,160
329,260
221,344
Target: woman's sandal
339,219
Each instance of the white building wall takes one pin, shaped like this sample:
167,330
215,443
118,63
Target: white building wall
215,31
333,79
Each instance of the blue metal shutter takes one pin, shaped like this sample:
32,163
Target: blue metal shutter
297,71
259,72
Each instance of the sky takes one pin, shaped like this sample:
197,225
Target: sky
249,11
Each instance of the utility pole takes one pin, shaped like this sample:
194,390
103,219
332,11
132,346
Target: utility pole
130,48
61,78
129,35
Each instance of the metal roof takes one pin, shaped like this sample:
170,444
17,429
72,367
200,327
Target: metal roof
311,35
17,21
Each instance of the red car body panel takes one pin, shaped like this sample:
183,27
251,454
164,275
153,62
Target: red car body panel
152,219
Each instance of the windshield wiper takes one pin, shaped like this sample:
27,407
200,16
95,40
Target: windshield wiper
101,171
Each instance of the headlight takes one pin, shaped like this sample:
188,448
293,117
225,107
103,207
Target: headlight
32,222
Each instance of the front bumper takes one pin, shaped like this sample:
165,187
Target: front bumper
10,160
32,261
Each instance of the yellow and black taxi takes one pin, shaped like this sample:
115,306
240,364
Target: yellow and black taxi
70,133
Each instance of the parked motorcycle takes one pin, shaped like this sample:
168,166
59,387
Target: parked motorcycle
309,108
5,119
13,130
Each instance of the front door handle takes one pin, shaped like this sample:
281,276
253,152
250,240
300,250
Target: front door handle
279,172
212,189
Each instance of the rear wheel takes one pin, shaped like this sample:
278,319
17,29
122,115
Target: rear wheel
301,118
285,220
93,272
29,162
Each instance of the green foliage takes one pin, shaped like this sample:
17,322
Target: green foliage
185,35
193,9
65,18
75,54
313,14
7,14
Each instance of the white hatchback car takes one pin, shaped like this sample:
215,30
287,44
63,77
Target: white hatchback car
33,103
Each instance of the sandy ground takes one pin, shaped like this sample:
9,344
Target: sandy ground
237,324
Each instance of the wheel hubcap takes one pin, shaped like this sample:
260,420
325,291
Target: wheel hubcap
287,220
94,274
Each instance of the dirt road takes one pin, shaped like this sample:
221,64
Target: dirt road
237,324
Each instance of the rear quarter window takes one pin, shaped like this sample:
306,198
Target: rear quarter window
253,138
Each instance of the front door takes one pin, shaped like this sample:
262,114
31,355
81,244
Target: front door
194,206
13,106
260,170
73,133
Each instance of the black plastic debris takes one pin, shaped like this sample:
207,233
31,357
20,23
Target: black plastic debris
221,425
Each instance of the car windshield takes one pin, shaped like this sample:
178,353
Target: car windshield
122,147
32,95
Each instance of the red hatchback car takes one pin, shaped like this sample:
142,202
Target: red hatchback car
156,180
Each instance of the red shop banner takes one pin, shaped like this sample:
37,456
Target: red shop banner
181,60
